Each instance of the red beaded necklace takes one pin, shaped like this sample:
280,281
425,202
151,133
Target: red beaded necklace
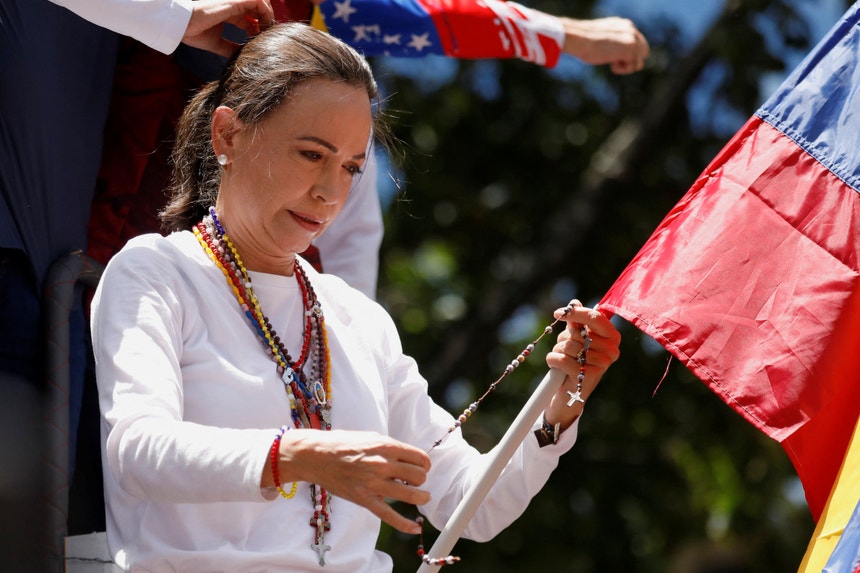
310,406
309,396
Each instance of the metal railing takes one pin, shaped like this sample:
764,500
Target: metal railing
58,297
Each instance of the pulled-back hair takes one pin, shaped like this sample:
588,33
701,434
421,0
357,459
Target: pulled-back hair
259,77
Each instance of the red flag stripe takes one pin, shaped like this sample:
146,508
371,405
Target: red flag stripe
743,282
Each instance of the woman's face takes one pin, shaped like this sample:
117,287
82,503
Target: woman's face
288,176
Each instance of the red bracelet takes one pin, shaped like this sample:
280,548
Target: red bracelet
273,458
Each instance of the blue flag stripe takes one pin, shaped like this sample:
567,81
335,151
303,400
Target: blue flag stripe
818,105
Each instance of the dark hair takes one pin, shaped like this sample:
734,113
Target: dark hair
259,77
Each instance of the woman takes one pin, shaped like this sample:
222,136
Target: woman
210,340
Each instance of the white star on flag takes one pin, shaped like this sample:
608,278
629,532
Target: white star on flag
361,33
343,10
393,39
420,42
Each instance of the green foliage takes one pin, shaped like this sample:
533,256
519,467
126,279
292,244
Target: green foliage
513,200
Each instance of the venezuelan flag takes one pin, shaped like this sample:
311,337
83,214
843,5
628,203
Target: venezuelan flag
753,279
835,545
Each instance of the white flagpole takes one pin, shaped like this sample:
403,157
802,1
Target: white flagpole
501,454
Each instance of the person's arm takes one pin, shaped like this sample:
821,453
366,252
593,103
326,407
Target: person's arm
613,41
472,29
163,24
530,466
143,310
414,418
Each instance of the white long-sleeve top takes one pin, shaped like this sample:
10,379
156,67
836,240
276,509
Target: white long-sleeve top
160,24
190,406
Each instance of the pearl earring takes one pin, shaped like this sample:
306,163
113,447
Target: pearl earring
223,159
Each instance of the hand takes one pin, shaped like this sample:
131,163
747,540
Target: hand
614,41
365,468
602,352
206,27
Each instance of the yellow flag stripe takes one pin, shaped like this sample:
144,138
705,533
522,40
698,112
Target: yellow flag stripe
317,19
840,505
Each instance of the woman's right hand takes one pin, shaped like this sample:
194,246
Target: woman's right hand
365,468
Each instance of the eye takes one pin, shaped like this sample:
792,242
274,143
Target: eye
312,155
353,170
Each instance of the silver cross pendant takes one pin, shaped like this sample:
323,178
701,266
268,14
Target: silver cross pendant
320,547
574,398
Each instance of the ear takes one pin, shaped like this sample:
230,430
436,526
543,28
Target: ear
225,125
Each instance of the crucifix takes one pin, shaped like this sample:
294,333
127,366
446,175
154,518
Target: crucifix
574,397
320,548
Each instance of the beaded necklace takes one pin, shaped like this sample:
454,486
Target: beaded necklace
310,404
309,396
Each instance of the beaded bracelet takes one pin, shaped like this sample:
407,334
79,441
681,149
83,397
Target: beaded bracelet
273,457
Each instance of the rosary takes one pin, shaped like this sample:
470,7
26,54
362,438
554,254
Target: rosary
547,434
310,395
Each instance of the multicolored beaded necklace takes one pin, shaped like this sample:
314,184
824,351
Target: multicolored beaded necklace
309,396
310,403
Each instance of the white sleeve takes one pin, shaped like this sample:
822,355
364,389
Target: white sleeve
140,314
456,465
534,36
349,248
160,24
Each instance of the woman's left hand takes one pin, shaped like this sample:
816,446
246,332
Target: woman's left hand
567,404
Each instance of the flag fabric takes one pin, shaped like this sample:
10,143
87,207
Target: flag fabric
456,28
846,556
835,545
752,279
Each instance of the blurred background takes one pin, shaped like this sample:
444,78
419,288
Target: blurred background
517,188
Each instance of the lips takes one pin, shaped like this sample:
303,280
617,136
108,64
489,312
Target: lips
307,222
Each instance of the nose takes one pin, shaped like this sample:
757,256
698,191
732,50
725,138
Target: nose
331,186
